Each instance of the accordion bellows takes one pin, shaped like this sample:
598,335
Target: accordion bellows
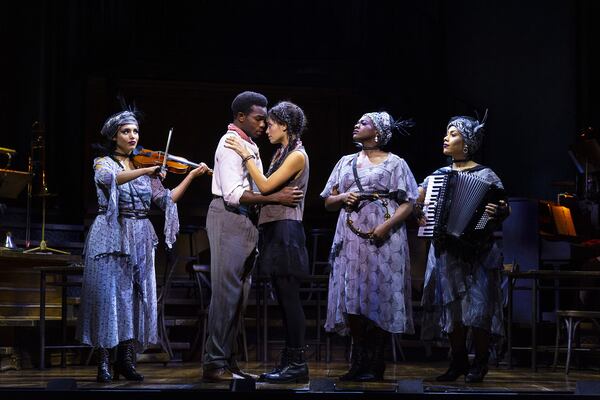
455,206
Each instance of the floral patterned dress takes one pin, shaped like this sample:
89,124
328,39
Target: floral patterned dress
368,279
459,291
118,299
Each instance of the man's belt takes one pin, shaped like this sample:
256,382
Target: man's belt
241,210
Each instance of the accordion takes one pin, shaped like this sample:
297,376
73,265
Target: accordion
455,208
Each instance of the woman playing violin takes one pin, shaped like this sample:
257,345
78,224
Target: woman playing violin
118,299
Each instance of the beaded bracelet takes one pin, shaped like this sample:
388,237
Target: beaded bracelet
247,158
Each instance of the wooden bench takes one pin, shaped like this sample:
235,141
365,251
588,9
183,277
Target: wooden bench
20,292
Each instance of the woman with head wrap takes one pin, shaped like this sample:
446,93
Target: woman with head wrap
462,288
282,244
369,287
118,298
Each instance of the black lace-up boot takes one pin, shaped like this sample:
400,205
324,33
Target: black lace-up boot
459,365
125,364
104,375
284,360
296,369
358,362
376,365
478,370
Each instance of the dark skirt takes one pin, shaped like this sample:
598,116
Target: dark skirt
282,249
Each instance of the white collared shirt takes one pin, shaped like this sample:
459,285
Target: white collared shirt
230,177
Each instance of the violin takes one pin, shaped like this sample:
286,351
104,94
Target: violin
143,158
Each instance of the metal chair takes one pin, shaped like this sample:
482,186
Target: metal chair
183,300
572,320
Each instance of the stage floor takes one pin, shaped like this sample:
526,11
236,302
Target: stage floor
187,377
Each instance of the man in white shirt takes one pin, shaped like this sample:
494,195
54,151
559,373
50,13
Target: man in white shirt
233,235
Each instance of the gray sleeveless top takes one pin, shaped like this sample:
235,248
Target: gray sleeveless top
277,212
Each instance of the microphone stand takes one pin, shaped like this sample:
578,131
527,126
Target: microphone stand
29,190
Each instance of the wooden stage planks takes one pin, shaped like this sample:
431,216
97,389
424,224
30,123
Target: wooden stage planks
186,376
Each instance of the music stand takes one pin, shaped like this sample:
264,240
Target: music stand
586,157
13,182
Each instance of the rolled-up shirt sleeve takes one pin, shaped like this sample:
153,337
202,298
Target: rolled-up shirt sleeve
230,176
232,181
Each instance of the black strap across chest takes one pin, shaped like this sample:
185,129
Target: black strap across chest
355,172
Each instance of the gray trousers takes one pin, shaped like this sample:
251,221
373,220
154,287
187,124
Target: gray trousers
232,239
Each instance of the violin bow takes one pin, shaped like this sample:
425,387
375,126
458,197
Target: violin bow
189,163
164,166
179,159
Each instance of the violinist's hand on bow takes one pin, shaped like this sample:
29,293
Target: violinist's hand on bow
350,199
156,172
236,145
200,170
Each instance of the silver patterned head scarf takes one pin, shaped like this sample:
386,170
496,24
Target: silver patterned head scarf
471,130
384,125
110,127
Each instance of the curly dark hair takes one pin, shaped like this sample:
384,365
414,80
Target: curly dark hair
288,114
244,101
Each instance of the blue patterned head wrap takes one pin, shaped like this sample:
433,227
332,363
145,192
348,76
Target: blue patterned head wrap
471,130
110,127
384,125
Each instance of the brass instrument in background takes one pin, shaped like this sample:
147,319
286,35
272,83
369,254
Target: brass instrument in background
38,187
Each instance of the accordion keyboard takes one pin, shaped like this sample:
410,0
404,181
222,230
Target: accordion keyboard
435,184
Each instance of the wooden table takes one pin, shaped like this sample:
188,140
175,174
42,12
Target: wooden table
536,276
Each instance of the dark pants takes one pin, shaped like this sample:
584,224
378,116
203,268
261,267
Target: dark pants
287,290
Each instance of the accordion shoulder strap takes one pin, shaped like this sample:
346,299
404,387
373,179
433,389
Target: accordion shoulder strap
355,172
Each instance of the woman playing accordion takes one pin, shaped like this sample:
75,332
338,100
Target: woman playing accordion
462,280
